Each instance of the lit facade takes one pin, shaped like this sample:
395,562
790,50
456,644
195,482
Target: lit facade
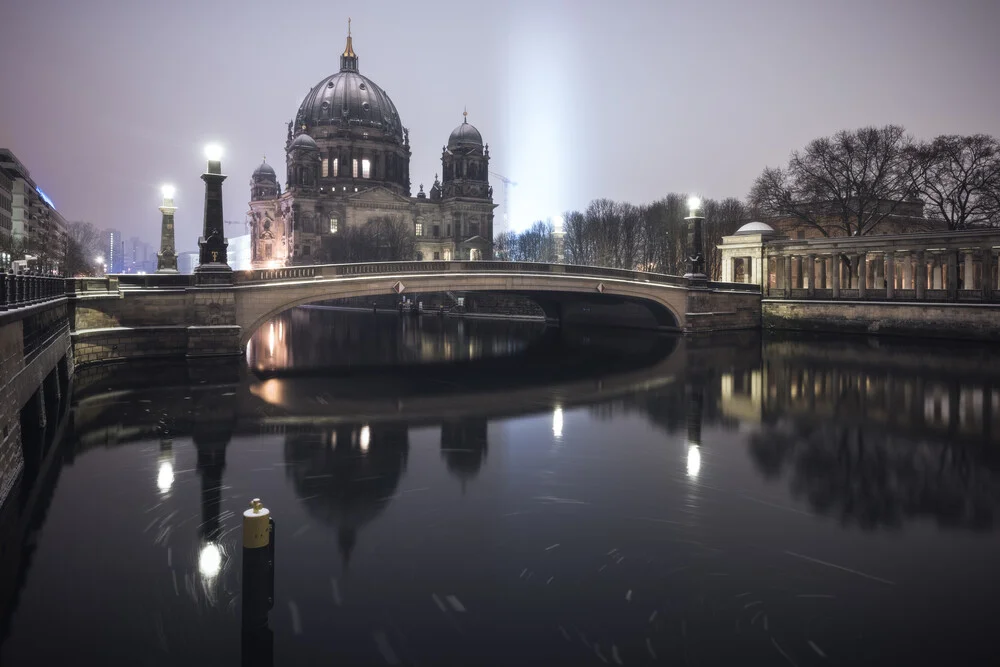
348,163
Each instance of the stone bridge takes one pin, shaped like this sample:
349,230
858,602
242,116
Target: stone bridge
180,315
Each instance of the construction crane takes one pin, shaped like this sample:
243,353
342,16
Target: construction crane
507,184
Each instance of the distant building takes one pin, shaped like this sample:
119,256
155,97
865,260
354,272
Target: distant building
139,256
239,252
113,247
347,159
186,261
35,229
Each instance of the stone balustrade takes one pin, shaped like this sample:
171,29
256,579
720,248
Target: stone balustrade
934,267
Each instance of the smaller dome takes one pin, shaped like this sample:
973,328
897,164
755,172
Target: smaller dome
264,171
755,228
465,136
303,140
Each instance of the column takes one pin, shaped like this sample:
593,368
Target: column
987,272
907,282
821,278
878,280
969,280
890,275
952,260
862,274
811,274
835,275
787,267
920,279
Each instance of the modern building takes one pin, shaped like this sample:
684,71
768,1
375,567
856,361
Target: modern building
347,158
239,252
30,225
186,261
113,247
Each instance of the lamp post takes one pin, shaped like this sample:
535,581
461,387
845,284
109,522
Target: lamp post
695,245
212,260
99,260
166,259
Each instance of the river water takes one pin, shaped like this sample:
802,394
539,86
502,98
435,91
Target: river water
451,492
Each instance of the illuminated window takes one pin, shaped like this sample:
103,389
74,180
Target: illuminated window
336,167
447,255
366,169
334,224
419,229
325,168
354,171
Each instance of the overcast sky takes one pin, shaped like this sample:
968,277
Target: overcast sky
104,100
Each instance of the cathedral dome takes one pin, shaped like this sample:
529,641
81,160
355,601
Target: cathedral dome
465,136
350,99
265,171
303,140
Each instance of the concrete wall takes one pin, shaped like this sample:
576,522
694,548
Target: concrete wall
32,385
938,320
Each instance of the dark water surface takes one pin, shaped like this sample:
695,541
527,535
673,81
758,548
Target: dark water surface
495,493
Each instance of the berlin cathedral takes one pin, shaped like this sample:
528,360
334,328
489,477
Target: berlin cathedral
347,159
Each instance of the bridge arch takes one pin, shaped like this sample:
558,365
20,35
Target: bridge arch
256,303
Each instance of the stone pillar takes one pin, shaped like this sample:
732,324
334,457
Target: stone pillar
821,279
166,259
890,275
987,273
878,279
862,274
952,259
787,267
212,245
920,279
908,271
809,279
969,279
835,275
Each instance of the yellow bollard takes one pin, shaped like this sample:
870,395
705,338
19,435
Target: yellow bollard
256,526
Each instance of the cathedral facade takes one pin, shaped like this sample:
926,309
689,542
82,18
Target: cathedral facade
347,159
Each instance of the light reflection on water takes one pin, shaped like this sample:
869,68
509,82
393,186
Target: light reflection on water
721,502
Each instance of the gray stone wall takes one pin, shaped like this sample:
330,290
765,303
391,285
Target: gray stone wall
721,310
940,320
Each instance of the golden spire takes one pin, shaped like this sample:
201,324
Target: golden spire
465,114
349,49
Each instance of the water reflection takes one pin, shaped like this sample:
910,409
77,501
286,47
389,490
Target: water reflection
319,336
346,476
685,473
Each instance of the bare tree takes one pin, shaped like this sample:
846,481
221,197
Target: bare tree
504,245
722,218
847,184
959,177
536,244
390,239
83,243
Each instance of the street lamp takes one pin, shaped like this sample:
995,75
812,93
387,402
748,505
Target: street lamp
166,259
695,245
212,256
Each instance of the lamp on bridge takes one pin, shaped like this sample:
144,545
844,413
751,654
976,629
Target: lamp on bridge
695,244
166,259
213,264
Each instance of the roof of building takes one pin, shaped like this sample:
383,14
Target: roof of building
755,228
350,98
264,171
465,135
303,140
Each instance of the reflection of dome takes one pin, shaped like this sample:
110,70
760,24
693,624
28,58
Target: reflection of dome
755,228
346,477
463,447
465,136
303,140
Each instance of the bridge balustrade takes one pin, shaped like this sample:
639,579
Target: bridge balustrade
935,267
24,289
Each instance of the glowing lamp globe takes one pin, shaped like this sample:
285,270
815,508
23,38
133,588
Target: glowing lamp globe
213,152
168,191
694,203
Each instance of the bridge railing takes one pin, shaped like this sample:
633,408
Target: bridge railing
397,268
155,280
18,290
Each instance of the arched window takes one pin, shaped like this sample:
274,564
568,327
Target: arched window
334,224
366,169
336,168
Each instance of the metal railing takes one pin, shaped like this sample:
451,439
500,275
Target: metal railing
397,268
18,290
